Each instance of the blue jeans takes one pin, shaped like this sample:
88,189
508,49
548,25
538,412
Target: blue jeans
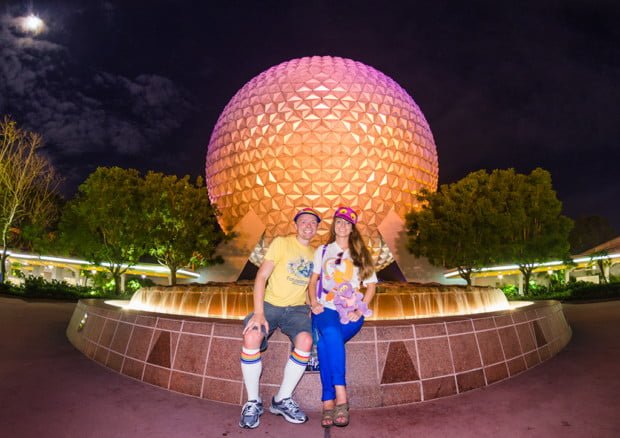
330,348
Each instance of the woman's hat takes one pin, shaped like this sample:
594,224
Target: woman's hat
346,213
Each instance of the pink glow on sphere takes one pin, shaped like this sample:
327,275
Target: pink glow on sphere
320,132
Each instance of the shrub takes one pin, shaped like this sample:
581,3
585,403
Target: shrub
102,281
581,291
6,288
134,284
37,287
103,284
511,291
538,289
571,291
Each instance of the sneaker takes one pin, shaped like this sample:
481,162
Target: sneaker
289,409
250,414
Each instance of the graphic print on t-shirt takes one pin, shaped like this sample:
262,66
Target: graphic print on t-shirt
301,269
336,274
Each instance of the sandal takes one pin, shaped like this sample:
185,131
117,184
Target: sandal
341,415
327,420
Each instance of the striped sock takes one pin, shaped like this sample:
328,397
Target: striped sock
293,371
251,368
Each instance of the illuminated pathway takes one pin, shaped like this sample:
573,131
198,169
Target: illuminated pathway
47,388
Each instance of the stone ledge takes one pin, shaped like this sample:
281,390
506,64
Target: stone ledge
388,363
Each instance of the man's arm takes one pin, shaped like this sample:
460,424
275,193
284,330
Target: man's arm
315,306
258,319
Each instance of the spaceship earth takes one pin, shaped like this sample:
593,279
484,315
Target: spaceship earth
320,131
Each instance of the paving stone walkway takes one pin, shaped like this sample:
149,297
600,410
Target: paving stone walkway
49,389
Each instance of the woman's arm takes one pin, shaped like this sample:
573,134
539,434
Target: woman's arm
370,293
371,288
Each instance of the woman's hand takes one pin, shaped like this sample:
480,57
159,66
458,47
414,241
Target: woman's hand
316,308
354,316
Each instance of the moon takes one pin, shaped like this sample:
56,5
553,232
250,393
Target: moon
33,24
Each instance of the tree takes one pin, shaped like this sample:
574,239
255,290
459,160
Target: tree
602,260
535,231
28,185
182,222
41,236
589,232
484,219
455,228
106,223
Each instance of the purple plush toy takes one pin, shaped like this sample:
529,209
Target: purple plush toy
347,300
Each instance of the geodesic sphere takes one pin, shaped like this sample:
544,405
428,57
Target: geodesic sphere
320,132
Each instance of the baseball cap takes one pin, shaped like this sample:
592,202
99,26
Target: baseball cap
308,210
346,213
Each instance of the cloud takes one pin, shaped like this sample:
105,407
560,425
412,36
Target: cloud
78,110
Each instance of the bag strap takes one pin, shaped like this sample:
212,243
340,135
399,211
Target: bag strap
319,287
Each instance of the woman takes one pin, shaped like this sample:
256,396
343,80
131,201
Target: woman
343,263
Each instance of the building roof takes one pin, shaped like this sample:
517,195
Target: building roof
149,269
611,246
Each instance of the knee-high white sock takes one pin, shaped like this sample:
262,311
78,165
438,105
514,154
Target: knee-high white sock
293,371
251,367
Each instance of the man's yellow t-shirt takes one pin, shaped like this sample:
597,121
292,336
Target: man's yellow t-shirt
293,264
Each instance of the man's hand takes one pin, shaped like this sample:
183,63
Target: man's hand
256,322
317,308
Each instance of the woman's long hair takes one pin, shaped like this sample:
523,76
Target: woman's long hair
358,250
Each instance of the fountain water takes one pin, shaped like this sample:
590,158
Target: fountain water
394,300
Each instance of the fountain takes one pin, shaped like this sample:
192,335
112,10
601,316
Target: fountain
402,355
320,132
394,300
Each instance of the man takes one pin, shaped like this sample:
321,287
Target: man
280,301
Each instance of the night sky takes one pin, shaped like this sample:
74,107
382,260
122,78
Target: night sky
502,84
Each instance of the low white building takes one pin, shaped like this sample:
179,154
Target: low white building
585,267
80,272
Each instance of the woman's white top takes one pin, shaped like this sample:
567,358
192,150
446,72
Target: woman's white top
336,274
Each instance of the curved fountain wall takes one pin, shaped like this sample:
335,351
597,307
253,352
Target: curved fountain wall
388,362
